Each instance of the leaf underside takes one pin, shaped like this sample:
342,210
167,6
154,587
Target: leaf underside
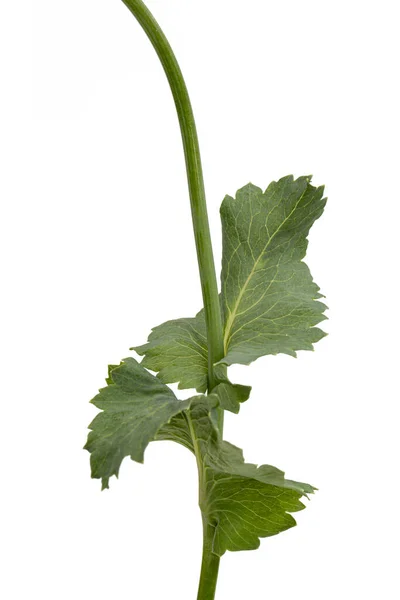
135,406
177,352
269,301
242,502
269,305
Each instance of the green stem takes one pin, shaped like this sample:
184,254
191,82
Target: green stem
195,181
209,565
210,561
205,258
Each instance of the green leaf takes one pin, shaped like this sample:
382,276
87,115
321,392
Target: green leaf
136,407
109,378
177,430
177,352
269,300
242,502
232,395
268,296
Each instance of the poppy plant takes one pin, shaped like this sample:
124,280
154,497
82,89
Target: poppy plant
267,304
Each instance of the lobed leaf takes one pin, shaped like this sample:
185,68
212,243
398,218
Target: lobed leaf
135,407
269,299
241,501
177,352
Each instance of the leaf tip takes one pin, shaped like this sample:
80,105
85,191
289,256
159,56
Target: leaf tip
139,458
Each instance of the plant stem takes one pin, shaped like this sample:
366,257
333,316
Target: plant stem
210,561
205,258
195,182
209,565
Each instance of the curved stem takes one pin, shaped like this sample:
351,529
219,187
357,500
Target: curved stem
195,181
205,258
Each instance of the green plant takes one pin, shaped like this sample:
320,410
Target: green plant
268,304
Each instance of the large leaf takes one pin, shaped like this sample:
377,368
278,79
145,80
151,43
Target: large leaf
242,502
136,406
268,296
177,351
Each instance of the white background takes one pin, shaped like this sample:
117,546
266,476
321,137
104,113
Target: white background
97,248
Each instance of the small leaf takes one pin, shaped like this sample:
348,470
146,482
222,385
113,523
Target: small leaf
177,352
136,405
231,395
241,501
268,296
